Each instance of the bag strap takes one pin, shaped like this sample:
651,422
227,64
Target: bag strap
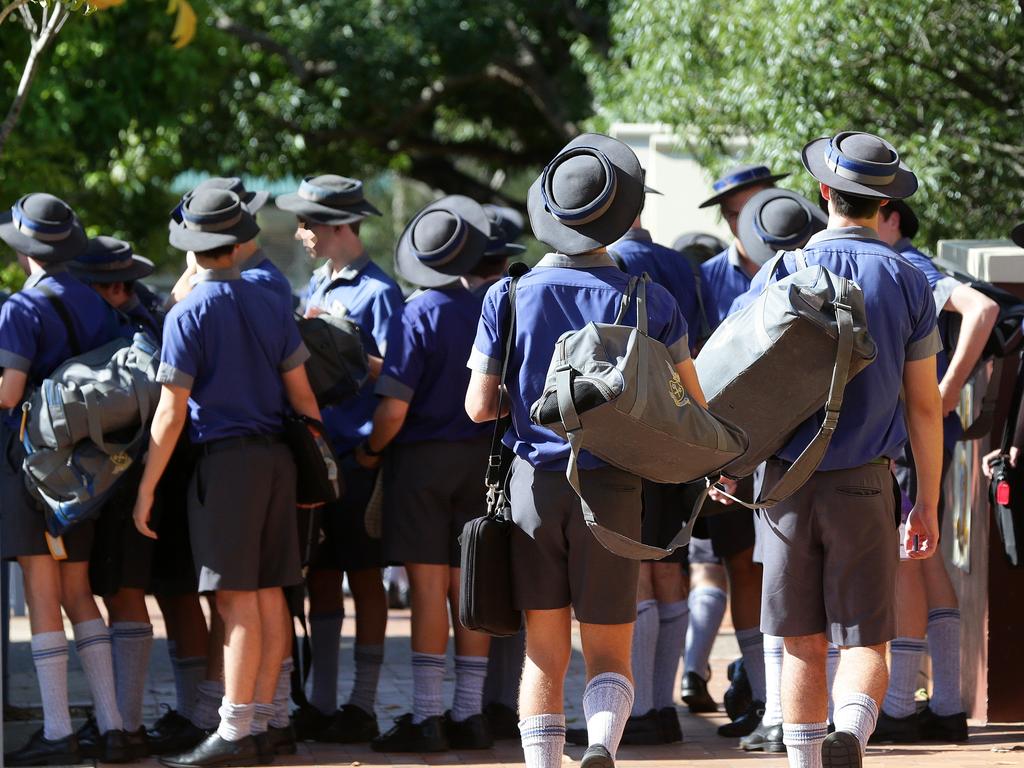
1011,417
65,317
982,424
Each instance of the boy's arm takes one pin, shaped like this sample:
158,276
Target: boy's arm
168,421
300,393
924,423
388,420
979,314
482,398
12,388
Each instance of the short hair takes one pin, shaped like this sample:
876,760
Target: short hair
909,224
489,268
354,226
217,253
853,206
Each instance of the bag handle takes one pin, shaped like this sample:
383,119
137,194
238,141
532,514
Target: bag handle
92,410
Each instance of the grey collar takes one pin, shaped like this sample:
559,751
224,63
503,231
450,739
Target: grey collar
584,261
902,245
639,234
217,275
34,279
253,261
734,256
843,233
351,270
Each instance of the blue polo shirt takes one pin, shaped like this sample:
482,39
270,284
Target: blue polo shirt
562,293
901,320
363,292
33,339
138,316
228,343
262,271
637,253
942,288
722,279
425,365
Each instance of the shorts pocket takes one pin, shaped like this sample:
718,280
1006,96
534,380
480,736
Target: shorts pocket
857,491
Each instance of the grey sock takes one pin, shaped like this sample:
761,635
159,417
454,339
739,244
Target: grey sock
505,670
543,739
50,657
607,702
707,608
92,642
905,663
831,670
672,621
188,673
206,713
773,653
283,695
132,642
427,680
752,646
803,743
944,648
470,674
235,720
261,717
325,637
369,659
857,713
645,643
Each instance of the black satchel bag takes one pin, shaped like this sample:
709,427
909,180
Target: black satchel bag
1006,489
486,593
337,365
318,480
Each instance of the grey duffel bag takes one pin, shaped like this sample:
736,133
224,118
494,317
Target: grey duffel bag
614,391
772,365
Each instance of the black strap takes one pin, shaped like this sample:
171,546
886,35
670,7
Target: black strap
65,318
1011,417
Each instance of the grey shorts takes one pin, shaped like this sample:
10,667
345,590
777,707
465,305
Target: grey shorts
556,561
121,556
665,512
346,545
729,528
830,557
431,490
22,521
241,516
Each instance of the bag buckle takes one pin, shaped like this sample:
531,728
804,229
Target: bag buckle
831,421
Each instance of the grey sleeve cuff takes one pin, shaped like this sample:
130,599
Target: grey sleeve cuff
295,359
168,374
481,363
926,347
388,386
14,362
680,351
943,290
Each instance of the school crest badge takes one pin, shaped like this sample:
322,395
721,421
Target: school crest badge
675,388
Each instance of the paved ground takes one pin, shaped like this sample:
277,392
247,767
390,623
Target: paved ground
994,745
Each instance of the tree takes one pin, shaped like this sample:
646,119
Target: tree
944,81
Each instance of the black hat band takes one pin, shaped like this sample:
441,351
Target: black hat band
575,217
863,171
39,230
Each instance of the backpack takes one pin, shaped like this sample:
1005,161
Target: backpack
337,366
614,391
772,365
1006,488
86,425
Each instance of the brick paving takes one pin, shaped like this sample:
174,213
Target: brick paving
993,745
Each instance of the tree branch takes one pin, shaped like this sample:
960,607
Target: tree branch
305,71
441,173
9,9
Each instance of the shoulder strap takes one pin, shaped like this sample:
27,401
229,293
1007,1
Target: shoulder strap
982,424
705,326
619,262
65,317
1011,417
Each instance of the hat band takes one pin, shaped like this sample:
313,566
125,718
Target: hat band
107,266
332,197
199,225
596,208
751,174
871,174
441,256
37,230
782,241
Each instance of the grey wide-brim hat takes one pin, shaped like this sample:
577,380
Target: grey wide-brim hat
1017,235
212,218
740,177
251,200
507,225
859,164
700,239
444,241
44,228
109,260
328,199
588,196
776,220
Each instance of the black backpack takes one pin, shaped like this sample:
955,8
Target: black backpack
337,366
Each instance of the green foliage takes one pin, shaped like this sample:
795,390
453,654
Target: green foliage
12,277
942,80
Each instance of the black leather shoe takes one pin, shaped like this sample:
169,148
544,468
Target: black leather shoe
41,751
643,730
309,723
282,740
350,725
695,694
173,734
841,750
765,738
578,737
745,724
671,731
407,736
136,744
89,741
264,748
113,747
896,730
597,756
945,728
738,696
472,733
215,751
504,721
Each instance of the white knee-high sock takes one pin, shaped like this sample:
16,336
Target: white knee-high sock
944,648
645,644
905,654
752,646
607,702
707,608
132,642
543,739
235,720
50,657
773,653
857,713
92,641
831,670
803,743
427,681
673,619
369,659
470,675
